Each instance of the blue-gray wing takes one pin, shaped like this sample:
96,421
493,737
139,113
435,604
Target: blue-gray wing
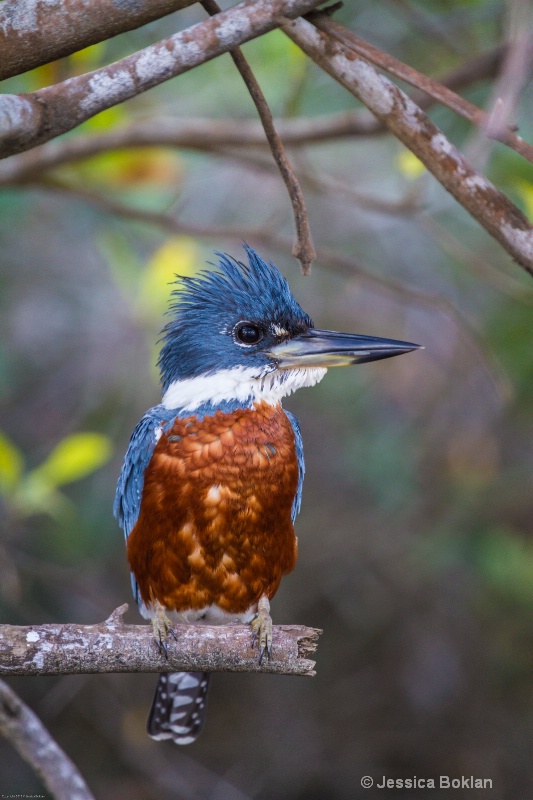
130,484
131,481
301,463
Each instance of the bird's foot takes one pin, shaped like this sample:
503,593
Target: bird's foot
262,629
162,629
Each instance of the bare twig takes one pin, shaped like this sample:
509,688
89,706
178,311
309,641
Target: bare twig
32,741
114,647
516,69
490,207
35,32
442,94
303,248
27,120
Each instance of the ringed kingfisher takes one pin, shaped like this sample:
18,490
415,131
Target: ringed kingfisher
212,480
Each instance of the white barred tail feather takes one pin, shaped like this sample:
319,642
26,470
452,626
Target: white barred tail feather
179,706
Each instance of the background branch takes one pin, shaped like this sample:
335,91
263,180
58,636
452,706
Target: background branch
115,647
195,134
32,741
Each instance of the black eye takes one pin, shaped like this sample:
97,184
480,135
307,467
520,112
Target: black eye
248,333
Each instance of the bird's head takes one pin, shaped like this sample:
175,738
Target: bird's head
238,335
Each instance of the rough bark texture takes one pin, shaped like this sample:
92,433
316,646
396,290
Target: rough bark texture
34,32
114,647
31,119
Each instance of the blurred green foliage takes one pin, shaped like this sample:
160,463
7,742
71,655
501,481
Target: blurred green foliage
36,491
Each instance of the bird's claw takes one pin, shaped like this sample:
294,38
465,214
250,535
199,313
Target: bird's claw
262,629
162,629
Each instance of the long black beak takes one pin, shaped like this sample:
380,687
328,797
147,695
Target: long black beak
316,348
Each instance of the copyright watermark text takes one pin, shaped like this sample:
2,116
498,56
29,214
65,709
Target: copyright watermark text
442,782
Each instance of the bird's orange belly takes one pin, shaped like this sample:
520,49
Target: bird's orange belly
215,524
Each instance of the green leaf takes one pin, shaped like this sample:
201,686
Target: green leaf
36,495
11,465
506,562
74,458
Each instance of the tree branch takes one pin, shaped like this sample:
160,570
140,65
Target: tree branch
114,647
490,207
31,119
32,741
303,248
196,134
34,32
442,94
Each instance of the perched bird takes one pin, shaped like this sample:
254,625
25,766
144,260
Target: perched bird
212,479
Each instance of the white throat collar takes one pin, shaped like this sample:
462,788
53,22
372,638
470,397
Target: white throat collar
240,384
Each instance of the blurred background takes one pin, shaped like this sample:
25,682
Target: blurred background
416,556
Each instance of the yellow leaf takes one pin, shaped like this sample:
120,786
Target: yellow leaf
74,458
525,190
177,256
87,59
109,118
280,56
130,168
11,464
409,165
45,75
